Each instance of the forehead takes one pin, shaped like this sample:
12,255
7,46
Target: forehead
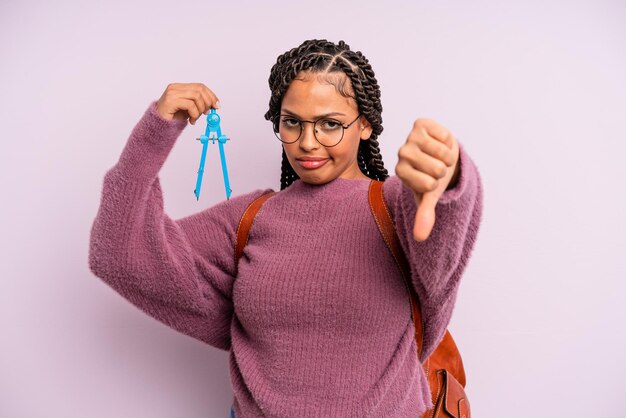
310,95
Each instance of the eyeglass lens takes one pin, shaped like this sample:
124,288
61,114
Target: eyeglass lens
327,131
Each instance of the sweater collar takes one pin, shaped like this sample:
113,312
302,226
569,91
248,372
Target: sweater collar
337,182
337,186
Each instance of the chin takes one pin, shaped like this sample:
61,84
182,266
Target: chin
314,178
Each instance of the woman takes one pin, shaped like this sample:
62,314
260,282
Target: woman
315,314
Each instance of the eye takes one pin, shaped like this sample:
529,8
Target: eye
330,124
290,122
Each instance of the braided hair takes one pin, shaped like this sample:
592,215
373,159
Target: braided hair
322,56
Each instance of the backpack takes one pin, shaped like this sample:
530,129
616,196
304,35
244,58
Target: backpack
444,367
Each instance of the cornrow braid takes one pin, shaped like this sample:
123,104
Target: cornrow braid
322,56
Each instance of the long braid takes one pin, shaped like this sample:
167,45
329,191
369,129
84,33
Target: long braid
322,56
287,173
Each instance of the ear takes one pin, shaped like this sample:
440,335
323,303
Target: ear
366,128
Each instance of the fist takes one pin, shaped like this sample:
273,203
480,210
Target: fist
182,101
427,162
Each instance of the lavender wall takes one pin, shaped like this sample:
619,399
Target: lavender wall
535,91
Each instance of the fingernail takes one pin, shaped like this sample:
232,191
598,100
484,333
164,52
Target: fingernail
217,104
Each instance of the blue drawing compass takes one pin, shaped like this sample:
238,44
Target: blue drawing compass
213,127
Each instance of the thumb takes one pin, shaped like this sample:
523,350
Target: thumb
425,216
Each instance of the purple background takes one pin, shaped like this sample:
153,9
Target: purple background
535,91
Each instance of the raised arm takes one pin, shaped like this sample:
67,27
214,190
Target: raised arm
179,272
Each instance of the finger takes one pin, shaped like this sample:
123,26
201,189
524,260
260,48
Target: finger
430,145
434,129
422,161
215,100
189,91
206,97
439,150
425,215
210,98
195,94
416,180
191,106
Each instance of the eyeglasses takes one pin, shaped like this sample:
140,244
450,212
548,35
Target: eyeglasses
328,132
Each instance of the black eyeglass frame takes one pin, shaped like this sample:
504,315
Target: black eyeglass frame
302,122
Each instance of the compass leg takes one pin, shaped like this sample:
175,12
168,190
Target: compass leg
225,171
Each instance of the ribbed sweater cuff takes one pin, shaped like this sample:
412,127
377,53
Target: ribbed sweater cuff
149,144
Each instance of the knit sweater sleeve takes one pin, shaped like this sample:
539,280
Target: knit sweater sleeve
437,264
180,272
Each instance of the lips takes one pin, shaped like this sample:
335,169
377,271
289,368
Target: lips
311,162
311,159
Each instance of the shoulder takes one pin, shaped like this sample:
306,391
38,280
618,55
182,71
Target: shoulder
226,213
239,203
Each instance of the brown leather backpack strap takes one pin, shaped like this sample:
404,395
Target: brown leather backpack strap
245,224
388,231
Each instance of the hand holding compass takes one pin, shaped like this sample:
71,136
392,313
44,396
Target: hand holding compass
182,101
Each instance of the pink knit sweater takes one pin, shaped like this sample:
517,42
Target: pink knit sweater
317,321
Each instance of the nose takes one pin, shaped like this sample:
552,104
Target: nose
307,138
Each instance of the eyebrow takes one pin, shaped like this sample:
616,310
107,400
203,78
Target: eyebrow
315,117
